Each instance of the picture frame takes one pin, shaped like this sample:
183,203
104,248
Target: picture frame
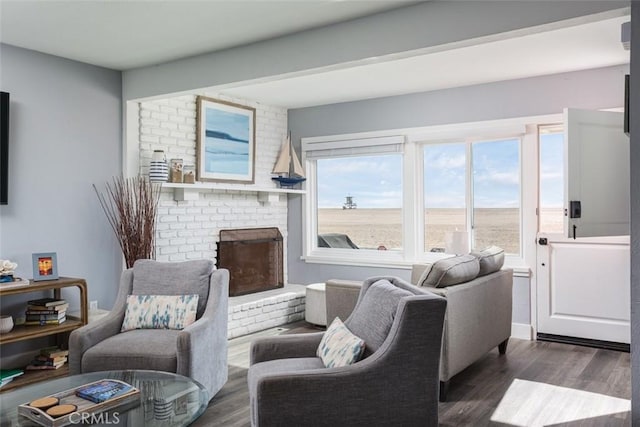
45,266
225,141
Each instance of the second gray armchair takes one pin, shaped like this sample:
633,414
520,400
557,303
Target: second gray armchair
396,384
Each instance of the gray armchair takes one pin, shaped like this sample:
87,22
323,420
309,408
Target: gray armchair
395,384
198,351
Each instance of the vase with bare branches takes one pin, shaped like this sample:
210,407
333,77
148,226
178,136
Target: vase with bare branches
131,205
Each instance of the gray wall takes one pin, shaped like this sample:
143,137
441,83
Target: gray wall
635,212
593,89
424,26
65,135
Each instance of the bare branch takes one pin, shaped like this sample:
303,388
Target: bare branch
131,206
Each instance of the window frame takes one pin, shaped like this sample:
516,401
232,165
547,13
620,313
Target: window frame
360,257
557,127
413,192
469,183
520,139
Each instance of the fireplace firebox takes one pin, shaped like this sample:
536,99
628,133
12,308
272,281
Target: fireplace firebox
253,257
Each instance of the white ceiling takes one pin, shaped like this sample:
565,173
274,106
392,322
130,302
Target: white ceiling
575,48
581,47
126,34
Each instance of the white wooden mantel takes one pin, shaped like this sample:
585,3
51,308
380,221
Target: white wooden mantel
182,192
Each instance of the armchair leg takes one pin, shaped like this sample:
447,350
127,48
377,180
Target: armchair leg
444,389
502,347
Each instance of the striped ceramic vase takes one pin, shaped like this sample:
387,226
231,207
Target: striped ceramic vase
158,168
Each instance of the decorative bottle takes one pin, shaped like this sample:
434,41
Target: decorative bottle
158,168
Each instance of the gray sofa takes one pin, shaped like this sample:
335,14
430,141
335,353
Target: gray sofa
396,384
478,316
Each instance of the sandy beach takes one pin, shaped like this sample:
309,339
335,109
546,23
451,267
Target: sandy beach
371,228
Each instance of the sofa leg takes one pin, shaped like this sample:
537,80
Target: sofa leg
502,347
444,389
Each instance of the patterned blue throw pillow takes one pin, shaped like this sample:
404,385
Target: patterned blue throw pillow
339,347
159,312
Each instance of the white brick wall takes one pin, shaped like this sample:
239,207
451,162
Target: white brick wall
190,229
170,125
266,313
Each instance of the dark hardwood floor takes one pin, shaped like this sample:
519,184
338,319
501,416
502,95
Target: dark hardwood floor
535,383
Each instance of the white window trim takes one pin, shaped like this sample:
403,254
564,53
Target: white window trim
360,257
468,144
413,229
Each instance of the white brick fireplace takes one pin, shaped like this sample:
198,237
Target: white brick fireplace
190,229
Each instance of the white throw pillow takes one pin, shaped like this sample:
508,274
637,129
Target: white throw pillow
339,347
159,312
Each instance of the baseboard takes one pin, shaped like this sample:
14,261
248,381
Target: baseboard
607,345
522,331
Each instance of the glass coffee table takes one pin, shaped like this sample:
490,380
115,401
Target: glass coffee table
166,399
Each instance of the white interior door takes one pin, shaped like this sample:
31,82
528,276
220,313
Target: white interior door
584,288
597,168
583,282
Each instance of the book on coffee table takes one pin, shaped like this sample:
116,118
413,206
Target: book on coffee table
103,390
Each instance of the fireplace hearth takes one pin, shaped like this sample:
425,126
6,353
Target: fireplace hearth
253,257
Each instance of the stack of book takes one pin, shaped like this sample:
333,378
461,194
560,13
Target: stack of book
46,311
7,375
49,358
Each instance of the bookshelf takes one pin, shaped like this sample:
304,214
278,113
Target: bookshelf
23,333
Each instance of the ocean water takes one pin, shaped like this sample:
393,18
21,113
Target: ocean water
227,157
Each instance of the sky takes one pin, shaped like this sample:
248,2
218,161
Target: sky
376,181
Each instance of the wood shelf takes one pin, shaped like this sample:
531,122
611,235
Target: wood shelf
24,332
31,377
183,192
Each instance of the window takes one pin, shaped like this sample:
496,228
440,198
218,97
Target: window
396,200
551,193
445,183
359,201
496,194
356,202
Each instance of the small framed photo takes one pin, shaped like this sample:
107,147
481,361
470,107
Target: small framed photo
225,141
45,266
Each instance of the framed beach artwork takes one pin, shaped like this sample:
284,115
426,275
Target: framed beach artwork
225,149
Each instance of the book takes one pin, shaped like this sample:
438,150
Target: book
44,313
45,366
32,367
103,390
50,309
46,302
10,373
45,322
53,351
44,360
57,316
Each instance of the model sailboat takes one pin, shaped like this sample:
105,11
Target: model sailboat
288,166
